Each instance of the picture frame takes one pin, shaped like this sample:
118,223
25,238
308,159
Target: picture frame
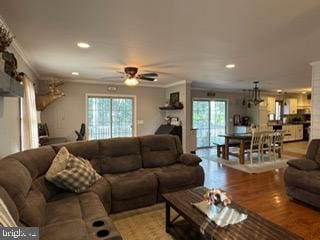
174,98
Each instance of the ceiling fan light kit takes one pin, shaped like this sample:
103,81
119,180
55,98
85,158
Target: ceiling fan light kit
132,78
131,82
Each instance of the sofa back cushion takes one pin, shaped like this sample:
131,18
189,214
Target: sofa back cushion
158,150
119,155
37,161
15,179
313,152
86,149
32,214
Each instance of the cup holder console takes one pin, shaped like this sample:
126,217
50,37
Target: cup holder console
102,233
98,223
102,229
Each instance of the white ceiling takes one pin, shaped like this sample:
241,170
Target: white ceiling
269,40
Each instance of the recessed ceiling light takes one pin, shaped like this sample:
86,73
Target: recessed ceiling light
279,90
83,45
155,80
75,73
230,65
304,92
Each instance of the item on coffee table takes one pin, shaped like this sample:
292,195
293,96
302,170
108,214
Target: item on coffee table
217,196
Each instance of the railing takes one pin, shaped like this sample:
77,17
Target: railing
104,132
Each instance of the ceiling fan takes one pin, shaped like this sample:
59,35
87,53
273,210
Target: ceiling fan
132,77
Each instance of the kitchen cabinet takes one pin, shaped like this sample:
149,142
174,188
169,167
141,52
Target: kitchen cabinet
293,132
299,132
271,104
291,106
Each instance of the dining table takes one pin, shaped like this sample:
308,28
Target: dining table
243,139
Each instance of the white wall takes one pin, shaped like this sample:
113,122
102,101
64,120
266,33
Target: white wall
67,113
9,126
315,111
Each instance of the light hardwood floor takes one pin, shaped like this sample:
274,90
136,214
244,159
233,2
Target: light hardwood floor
264,194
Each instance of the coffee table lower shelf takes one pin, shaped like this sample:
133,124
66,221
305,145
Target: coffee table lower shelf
182,230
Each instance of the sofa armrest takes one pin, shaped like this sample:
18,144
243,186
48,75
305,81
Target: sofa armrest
303,164
189,159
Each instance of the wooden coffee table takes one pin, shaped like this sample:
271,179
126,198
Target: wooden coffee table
254,227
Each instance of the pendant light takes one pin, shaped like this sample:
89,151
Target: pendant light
255,94
244,103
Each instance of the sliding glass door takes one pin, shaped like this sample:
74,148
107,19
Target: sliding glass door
209,118
109,117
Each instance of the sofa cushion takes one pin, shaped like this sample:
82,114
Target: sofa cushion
103,189
15,179
74,229
303,164
67,208
72,206
158,150
85,149
48,189
189,159
37,161
119,155
317,157
313,148
78,175
307,180
132,184
33,212
178,176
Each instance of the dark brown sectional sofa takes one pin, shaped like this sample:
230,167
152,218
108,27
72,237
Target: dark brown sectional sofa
136,171
302,176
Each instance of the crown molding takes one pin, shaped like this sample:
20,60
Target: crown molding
316,63
88,81
175,84
16,46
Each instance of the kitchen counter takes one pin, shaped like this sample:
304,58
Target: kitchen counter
284,124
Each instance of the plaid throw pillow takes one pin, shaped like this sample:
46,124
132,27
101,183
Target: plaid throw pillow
78,175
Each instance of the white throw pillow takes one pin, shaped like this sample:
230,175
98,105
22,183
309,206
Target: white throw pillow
58,164
6,219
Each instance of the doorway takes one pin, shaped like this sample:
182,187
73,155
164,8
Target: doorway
110,116
209,117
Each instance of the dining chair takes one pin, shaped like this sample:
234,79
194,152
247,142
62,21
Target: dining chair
265,144
277,143
254,146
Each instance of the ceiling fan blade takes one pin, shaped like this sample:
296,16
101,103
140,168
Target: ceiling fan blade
163,64
112,78
145,78
151,74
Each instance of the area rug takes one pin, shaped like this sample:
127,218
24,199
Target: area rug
256,167
144,223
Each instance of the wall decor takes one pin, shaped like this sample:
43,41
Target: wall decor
54,93
5,38
174,98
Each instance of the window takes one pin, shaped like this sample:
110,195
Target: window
209,118
278,110
110,116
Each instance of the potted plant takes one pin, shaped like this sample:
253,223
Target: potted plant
10,62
